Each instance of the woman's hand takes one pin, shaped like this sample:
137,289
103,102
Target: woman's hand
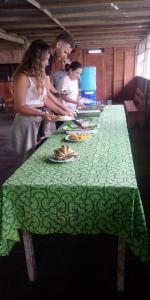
71,113
81,106
82,101
49,116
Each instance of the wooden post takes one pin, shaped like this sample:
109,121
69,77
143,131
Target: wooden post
30,257
121,265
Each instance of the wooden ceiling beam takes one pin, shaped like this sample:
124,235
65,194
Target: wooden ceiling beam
23,19
105,13
108,32
100,43
110,22
11,38
107,26
87,23
97,38
107,42
83,22
34,26
84,34
131,44
83,30
109,29
55,4
48,13
104,36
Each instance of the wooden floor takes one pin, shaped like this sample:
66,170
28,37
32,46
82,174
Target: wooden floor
71,267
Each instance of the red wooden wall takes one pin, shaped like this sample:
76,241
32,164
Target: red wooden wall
114,71
5,90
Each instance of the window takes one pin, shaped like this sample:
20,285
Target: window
143,58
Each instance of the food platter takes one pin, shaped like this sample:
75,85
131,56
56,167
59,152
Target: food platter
64,118
69,159
86,123
89,127
63,154
78,137
88,112
92,131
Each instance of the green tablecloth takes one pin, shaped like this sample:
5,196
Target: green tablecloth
95,194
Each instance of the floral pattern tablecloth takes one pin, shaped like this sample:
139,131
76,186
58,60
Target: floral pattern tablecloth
95,194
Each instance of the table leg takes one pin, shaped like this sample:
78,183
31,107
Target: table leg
121,265
30,256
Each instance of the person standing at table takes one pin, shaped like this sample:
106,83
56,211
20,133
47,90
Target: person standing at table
58,75
60,49
33,102
69,85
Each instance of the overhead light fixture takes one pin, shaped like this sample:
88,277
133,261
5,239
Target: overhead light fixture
114,6
95,51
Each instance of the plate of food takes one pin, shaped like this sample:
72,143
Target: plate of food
64,118
88,112
64,154
86,125
80,131
78,137
89,108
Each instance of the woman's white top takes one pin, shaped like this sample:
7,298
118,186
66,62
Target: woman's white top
34,96
70,87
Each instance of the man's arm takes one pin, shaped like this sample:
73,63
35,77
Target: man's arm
54,104
52,88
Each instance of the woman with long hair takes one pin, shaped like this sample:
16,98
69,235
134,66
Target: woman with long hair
33,102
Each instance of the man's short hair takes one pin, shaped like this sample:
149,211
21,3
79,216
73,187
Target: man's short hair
65,37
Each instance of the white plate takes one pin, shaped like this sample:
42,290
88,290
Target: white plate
89,126
72,158
88,111
72,131
64,118
67,138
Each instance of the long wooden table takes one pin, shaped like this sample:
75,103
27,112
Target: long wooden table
95,194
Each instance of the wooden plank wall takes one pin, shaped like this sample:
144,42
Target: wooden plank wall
114,69
5,91
11,56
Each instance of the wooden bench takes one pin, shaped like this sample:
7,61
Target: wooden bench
135,109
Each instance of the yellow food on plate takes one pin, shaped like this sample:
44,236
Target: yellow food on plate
79,136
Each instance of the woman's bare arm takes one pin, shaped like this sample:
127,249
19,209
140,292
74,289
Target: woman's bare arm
55,108
69,100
